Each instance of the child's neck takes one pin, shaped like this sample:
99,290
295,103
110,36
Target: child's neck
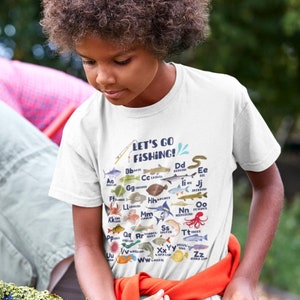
160,86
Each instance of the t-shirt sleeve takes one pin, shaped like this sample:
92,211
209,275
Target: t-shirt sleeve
75,179
254,146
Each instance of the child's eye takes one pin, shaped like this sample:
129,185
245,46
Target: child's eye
123,62
88,62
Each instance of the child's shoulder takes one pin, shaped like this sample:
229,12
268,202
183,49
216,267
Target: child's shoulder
211,81
85,112
210,77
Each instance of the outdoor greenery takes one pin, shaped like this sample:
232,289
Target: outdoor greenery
9,291
282,268
21,37
256,41
259,43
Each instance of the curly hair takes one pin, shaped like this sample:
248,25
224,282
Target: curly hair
164,27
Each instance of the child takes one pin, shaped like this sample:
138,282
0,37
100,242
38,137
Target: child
147,162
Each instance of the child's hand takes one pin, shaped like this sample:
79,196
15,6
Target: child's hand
160,295
240,289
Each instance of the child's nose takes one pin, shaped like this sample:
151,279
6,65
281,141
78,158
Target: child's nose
104,76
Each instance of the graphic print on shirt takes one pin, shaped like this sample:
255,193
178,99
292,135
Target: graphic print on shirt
158,203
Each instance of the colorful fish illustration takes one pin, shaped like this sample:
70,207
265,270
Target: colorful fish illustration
132,216
164,209
119,191
124,259
157,170
180,203
140,228
198,247
117,229
162,217
197,160
175,225
179,255
178,177
161,241
128,246
112,173
136,197
147,246
129,179
178,190
196,238
193,196
156,189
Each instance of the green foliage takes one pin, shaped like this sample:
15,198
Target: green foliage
292,18
21,37
256,41
259,43
23,15
25,293
281,268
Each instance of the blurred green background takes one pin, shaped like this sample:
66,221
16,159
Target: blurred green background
256,41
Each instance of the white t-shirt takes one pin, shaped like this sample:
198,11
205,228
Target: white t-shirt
164,172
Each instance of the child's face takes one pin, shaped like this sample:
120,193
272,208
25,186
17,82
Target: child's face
128,76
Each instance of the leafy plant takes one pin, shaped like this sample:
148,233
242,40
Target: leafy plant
10,291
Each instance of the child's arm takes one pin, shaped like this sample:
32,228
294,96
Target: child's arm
266,205
94,274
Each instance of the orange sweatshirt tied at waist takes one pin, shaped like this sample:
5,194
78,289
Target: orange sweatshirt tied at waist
207,283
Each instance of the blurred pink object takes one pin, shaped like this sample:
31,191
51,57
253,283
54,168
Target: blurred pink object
42,95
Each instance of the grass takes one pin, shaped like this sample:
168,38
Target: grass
282,267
